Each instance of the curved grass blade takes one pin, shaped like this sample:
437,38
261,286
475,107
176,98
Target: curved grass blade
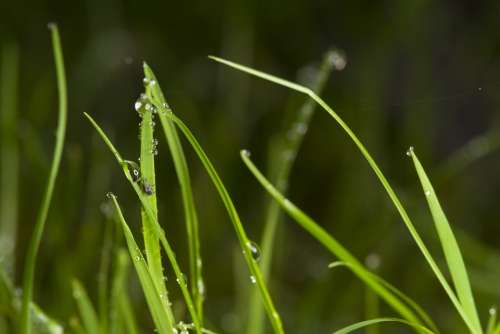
245,242
9,158
330,243
155,95
451,250
409,301
87,311
383,180
148,183
158,229
29,268
103,277
292,140
160,316
361,324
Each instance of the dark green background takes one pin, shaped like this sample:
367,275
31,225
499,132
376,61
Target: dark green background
420,73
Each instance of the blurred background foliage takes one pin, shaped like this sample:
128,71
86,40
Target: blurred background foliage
420,73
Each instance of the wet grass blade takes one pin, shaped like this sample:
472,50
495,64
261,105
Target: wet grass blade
492,321
87,311
29,269
158,229
103,277
155,95
291,139
162,320
383,180
453,255
366,323
9,159
245,243
330,243
148,183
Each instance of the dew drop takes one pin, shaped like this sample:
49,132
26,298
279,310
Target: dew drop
145,81
254,250
253,279
372,261
109,195
493,311
427,193
147,106
246,153
409,152
337,59
137,105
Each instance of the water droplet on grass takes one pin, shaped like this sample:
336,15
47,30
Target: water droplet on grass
253,279
409,152
254,250
137,105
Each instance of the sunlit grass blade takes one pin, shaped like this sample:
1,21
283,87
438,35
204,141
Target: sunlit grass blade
147,179
162,320
405,298
87,311
155,94
450,247
121,314
290,141
29,268
158,229
383,180
330,243
362,324
9,158
245,243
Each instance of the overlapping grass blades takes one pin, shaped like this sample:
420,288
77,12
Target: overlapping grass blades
450,247
290,142
148,180
87,312
362,324
162,320
333,245
155,95
29,268
124,164
471,324
245,242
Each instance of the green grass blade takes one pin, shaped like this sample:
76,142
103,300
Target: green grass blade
148,179
103,277
383,180
409,301
158,229
29,268
9,159
159,313
496,330
492,321
87,311
362,324
121,314
292,140
155,94
245,243
451,250
330,243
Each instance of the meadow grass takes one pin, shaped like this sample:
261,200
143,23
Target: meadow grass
114,312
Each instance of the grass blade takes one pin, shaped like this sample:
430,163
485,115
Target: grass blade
383,180
29,269
103,277
292,140
361,324
492,320
148,181
160,316
9,159
87,311
121,314
245,243
451,250
158,229
155,94
330,243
